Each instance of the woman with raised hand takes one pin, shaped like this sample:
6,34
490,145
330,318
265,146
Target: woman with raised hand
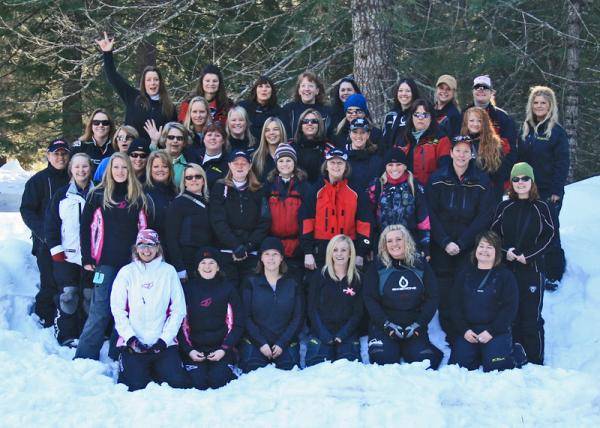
187,223
239,216
309,93
401,297
344,88
310,143
397,119
485,299
274,312
335,305
113,214
148,305
160,186
96,138
61,228
149,103
237,128
211,86
544,144
214,323
263,159
524,222
122,139
261,104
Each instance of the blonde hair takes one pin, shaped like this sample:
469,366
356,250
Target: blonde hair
135,193
410,248
174,125
77,156
410,180
198,168
259,158
352,272
242,112
129,130
187,122
551,118
489,153
167,159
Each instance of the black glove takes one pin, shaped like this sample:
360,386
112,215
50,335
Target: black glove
240,252
159,346
395,328
411,330
136,346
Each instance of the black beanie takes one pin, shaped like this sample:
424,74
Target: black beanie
207,253
271,243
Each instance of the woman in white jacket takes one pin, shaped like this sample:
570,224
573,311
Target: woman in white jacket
148,305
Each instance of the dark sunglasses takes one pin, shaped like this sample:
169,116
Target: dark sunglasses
524,179
356,111
175,137
193,177
101,122
480,88
423,115
310,121
138,155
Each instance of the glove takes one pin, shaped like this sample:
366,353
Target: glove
59,257
136,346
391,327
411,330
240,252
159,346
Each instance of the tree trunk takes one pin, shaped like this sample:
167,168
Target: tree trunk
373,65
572,90
71,105
145,55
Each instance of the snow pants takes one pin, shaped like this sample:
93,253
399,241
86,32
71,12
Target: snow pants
73,300
318,352
494,355
210,374
45,306
528,329
554,257
251,358
238,271
384,349
138,370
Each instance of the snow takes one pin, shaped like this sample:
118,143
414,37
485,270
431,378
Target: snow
40,384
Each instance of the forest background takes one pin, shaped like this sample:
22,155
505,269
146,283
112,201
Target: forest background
51,75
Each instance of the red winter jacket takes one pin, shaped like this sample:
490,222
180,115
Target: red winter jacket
424,156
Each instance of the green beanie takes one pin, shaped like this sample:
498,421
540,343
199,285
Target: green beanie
522,168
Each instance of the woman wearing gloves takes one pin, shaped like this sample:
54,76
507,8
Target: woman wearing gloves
273,309
335,305
148,305
213,326
484,306
401,298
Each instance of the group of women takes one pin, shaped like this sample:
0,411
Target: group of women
221,234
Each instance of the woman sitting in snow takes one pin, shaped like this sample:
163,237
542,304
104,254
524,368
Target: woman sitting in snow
485,299
148,305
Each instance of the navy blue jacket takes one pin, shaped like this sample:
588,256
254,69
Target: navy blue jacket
449,119
481,305
258,114
365,168
292,111
162,195
503,124
549,158
273,317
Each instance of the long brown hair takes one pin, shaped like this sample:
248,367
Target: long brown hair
88,133
489,153
168,108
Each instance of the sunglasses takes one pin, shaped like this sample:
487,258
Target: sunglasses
524,179
138,155
193,177
423,115
120,138
480,88
354,112
310,121
101,122
175,137
146,246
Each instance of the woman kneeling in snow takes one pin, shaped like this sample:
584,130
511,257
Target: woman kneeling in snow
485,299
401,297
148,305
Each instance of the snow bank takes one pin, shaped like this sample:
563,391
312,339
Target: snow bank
40,384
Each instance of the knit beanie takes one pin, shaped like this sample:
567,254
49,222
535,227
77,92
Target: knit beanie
283,150
358,101
522,168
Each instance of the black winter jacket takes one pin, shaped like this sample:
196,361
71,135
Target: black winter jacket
394,126
292,111
215,168
214,319
343,138
311,155
162,195
335,308
458,209
259,114
449,120
401,294
484,300
365,168
238,217
549,158
273,317
95,152
37,194
187,229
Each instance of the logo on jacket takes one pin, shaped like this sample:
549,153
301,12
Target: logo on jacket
403,285
533,288
349,291
148,285
206,302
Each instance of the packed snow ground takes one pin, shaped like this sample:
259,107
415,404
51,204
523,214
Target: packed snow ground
40,384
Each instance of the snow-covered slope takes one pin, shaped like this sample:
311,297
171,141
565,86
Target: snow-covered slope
41,386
